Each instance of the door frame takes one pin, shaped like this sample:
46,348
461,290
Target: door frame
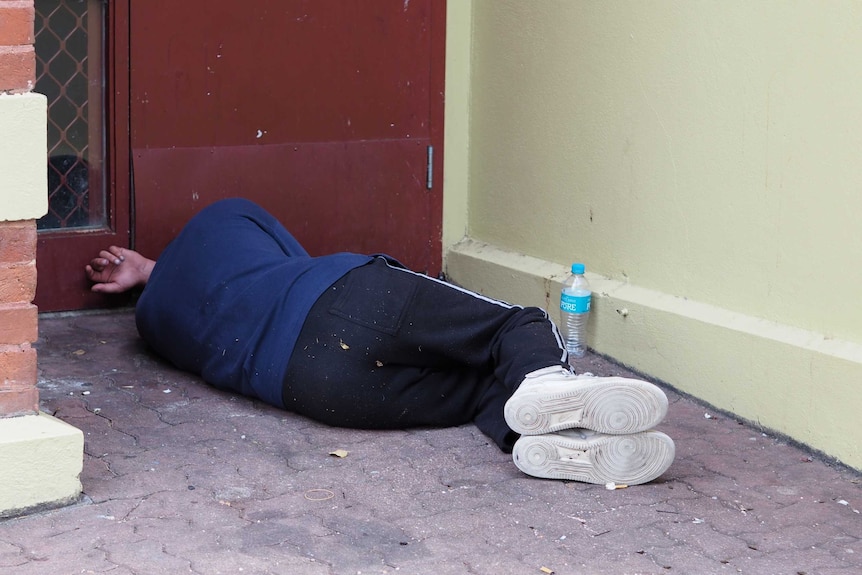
437,119
61,254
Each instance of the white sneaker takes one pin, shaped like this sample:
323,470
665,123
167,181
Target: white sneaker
552,399
582,455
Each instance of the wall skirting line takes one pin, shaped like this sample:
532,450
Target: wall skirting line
789,380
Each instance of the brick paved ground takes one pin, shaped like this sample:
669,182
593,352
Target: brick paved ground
179,478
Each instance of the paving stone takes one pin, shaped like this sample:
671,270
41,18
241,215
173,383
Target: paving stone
201,481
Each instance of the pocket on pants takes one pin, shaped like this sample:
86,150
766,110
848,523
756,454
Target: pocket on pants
376,296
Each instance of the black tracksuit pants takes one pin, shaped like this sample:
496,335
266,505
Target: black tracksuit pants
388,348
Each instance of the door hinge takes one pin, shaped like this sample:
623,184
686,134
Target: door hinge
429,172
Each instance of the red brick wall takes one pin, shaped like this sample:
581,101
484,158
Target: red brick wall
17,57
18,319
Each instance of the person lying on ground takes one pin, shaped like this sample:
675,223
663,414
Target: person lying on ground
360,341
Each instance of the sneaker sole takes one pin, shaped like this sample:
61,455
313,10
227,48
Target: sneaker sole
612,405
621,459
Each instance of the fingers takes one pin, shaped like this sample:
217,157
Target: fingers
95,268
97,265
107,275
106,288
113,254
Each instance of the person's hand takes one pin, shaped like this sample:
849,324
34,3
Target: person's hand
116,270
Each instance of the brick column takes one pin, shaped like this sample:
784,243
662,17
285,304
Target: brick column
41,457
18,317
17,56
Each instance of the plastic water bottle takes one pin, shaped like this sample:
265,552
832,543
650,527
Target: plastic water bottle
575,310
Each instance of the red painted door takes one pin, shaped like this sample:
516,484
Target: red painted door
326,112
82,53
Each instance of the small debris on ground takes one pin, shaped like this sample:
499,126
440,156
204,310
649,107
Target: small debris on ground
319,494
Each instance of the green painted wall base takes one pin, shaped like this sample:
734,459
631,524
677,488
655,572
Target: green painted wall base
795,382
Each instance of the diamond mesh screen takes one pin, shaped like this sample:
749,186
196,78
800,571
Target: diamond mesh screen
69,74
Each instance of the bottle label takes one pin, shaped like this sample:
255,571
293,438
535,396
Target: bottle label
571,303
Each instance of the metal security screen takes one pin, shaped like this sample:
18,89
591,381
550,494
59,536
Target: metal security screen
69,72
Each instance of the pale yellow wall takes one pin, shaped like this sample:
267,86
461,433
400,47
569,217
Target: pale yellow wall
23,142
459,23
716,145
705,160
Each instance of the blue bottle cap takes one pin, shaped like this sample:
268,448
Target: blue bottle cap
578,268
